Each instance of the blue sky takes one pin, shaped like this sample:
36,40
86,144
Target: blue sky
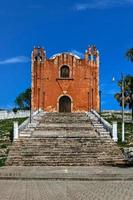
64,25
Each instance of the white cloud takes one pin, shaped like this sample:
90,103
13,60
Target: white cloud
102,4
14,60
78,53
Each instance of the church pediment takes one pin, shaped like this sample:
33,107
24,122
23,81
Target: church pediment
69,54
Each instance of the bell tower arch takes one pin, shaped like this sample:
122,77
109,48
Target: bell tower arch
38,62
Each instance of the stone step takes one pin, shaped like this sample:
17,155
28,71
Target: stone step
64,158
64,163
68,144
24,135
28,129
63,141
64,125
65,119
49,148
68,150
32,125
43,134
71,153
76,130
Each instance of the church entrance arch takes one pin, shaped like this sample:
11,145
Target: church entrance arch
65,104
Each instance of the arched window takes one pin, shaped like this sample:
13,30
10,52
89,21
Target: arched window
64,71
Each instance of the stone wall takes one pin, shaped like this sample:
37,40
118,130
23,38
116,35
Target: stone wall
128,152
10,114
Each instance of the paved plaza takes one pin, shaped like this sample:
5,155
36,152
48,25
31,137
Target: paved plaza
66,183
65,190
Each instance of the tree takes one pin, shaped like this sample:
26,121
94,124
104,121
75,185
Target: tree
128,93
23,100
129,54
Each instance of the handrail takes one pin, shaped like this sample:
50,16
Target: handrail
27,121
106,124
24,124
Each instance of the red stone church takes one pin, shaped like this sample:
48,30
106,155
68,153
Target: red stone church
65,82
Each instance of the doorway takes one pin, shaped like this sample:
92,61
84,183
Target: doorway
65,104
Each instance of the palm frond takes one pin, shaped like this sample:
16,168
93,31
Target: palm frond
129,54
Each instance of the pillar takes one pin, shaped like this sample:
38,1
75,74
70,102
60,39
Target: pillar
114,132
15,131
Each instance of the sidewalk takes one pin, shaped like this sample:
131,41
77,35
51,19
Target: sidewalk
66,183
71,173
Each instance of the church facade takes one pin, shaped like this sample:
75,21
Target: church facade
65,82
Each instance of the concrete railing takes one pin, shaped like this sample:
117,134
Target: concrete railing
24,124
27,121
110,128
17,128
106,124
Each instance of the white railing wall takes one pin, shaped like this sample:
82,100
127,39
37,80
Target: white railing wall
106,124
110,128
11,115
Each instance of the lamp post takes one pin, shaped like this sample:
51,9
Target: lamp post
123,104
30,110
100,103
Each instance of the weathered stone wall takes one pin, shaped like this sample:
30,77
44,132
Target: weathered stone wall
82,86
9,114
128,152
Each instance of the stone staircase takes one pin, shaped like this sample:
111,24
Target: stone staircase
64,139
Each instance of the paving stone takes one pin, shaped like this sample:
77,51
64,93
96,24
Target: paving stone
108,183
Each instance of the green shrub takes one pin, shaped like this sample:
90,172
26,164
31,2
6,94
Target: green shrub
2,161
6,126
3,146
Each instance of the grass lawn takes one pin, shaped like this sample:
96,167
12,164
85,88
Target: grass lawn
6,126
128,128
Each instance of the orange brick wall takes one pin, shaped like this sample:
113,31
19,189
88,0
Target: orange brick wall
82,86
